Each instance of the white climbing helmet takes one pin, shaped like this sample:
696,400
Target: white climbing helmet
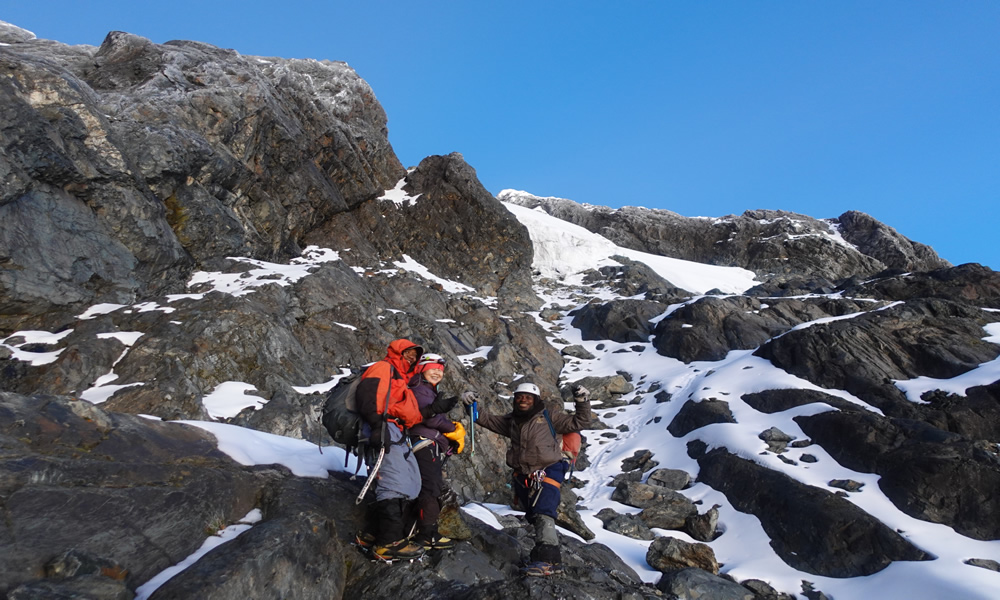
528,388
429,361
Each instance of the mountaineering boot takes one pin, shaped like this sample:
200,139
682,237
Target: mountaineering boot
434,542
364,539
391,542
545,560
401,550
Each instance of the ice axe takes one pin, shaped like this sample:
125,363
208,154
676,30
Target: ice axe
473,413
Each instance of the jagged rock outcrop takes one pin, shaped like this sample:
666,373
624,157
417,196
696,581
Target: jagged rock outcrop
453,226
133,496
175,157
885,244
619,320
929,473
132,490
824,534
737,323
864,354
129,165
634,278
971,283
779,246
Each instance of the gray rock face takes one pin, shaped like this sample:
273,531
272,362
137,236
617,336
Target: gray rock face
133,163
635,278
167,487
929,473
712,327
619,321
294,546
12,34
885,244
455,228
105,484
971,283
935,338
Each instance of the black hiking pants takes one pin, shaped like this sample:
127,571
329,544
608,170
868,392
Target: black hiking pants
427,507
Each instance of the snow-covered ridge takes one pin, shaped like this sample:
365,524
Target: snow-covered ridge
564,250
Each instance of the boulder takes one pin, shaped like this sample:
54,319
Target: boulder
670,511
668,554
628,525
618,320
662,508
672,479
984,563
764,591
697,584
703,527
640,460
695,415
776,439
577,351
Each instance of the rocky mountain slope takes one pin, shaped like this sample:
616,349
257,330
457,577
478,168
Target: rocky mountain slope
177,218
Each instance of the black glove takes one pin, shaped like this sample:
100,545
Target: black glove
380,436
440,406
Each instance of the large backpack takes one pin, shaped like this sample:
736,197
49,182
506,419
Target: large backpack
343,420
341,417
570,443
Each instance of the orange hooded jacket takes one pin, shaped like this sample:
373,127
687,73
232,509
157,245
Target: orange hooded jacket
388,378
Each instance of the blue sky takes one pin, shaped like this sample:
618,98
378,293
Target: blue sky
703,108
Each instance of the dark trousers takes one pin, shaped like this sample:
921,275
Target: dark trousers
543,501
427,507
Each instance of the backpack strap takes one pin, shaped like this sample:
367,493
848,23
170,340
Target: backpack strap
388,393
548,420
